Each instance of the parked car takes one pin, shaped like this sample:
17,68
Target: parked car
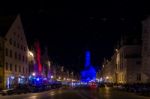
7,92
22,89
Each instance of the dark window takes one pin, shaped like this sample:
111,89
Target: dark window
10,41
26,70
19,27
24,48
10,53
138,62
15,43
14,33
10,67
21,47
21,38
19,68
19,57
15,68
15,55
23,58
23,69
26,60
138,77
6,52
6,66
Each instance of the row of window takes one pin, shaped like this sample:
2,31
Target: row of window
15,44
16,55
16,68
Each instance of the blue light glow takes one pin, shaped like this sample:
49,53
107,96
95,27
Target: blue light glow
38,79
8,82
89,72
87,59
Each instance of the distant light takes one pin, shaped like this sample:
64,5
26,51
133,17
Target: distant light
100,79
38,79
45,78
49,64
33,74
59,77
31,54
19,80
30,77
116,50
107,77
12,77
52,76
22,77
103,66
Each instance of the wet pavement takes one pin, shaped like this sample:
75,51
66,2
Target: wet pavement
101,93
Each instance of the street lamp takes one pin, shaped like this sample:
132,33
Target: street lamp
107,77
33,74
31,53
52,76
59,77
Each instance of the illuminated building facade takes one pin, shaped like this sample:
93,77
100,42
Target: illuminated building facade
146,50
125,65
1,63
15,63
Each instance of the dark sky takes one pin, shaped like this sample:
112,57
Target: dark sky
69,29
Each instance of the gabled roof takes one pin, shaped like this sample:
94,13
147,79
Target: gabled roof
5,23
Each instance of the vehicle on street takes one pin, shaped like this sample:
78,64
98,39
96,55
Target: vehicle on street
7,92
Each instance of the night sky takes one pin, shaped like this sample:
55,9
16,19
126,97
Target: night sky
70,29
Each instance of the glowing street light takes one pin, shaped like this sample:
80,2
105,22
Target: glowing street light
107,77
59,77
31,53
52,76
33,74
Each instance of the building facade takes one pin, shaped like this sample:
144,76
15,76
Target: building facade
1,63
146,50
124,66
15,62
